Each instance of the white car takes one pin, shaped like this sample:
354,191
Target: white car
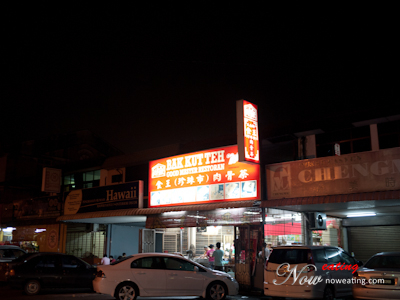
162,274
379,278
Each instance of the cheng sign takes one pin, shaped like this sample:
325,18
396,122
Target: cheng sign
247,131
351,173
202,177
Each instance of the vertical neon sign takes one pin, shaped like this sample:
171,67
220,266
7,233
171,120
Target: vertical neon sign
247,131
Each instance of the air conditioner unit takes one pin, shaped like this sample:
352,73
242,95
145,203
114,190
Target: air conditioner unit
317,221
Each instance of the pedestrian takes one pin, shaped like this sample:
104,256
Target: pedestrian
205,250
218,255
211,259
112,259
265,252
123,255
105,260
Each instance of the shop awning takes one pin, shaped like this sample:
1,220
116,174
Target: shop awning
100,214
197,207
123,214
329,199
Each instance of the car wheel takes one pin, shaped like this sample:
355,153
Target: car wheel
32,287
216,291
328,293
126,291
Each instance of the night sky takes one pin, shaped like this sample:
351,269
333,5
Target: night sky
141,76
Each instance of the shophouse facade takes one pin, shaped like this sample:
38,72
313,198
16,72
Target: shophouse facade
356,188
32,184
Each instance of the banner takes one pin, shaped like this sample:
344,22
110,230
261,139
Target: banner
37,208
111,197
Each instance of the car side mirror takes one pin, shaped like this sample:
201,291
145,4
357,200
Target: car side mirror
196,269
360,263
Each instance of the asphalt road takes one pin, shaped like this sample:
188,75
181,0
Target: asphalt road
6,293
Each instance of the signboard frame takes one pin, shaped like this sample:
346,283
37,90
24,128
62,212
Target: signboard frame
207,176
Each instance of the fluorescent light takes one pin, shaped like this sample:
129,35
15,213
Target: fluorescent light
361,215
197,217
251,213
9,229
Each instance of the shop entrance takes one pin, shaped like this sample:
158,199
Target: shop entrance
151,240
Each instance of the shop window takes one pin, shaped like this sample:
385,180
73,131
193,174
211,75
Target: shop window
85,243
283,228
82,180
329,237
350,140
389,134
116,178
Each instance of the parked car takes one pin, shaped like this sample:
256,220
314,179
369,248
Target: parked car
379,278
162,274
34,271
8,253
302,272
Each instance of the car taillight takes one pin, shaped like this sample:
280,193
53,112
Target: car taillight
100,274
359,280
310,261
10,272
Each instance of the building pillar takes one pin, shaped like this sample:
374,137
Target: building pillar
373,128
307,147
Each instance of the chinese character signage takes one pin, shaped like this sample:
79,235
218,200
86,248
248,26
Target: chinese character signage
247,131
202,177
350,173
110,197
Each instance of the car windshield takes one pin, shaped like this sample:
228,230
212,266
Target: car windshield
24,257
383,261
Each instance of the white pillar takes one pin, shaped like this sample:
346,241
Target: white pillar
373,128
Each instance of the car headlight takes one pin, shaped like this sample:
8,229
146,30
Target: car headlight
230,278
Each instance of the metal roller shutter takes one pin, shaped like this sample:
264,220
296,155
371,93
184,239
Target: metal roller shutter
367,241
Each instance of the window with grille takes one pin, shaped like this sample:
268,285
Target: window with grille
170,243
85,244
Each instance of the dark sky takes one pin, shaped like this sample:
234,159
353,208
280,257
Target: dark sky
146,75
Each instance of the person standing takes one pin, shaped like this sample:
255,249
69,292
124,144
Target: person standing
211,259
205,250
105,260
265,252
218,255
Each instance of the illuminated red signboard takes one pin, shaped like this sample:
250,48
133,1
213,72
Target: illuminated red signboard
202,177
247,131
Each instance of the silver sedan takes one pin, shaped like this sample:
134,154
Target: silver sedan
379,278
